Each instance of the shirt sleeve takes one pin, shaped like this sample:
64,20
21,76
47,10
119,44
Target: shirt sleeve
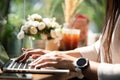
109,71
91,51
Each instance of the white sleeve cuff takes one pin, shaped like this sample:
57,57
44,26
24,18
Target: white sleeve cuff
109,71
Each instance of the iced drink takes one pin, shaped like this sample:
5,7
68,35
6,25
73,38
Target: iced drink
70,38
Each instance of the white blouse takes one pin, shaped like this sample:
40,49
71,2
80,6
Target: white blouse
106,71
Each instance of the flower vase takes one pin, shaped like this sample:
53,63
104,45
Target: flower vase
52,45
38,44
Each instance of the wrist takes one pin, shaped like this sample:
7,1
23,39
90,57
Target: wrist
91,70
80,65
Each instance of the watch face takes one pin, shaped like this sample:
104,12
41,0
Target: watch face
81,62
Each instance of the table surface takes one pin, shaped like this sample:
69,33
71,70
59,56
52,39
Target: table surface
46,76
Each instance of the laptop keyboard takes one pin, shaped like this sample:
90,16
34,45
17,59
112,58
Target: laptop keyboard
13,66
19,65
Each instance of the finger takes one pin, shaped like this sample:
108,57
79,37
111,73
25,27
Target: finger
35,62
42,60
24,49
46,64
39,59
20,57
35,56
29,49
27,54
25,57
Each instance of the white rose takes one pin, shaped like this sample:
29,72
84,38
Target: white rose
20,35
47,21
43,36
29,23
41,25
35,23
33,30
57,33
34,17
24,28
56,25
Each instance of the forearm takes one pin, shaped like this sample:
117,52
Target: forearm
87,52
72,53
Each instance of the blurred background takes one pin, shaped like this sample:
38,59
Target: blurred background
14,12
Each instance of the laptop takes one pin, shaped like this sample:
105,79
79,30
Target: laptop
9,65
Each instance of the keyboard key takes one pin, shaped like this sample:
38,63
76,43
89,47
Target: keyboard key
17,65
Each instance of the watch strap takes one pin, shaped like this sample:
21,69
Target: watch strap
79,72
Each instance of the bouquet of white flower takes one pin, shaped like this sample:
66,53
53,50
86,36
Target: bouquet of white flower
40,28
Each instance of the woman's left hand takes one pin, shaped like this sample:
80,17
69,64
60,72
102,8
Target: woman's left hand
34,53
54,59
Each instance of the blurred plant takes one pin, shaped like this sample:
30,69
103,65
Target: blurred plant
12,26
4,11
9,33
94,9
69,8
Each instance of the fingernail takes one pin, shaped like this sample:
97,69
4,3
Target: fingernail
31,64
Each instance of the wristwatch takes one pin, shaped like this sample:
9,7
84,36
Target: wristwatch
80,64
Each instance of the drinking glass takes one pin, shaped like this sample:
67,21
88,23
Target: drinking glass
70,38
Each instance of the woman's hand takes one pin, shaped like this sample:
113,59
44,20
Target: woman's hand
34,53
54,59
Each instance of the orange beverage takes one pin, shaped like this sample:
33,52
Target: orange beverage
70,38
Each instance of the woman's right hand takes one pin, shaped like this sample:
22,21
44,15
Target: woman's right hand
34,53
